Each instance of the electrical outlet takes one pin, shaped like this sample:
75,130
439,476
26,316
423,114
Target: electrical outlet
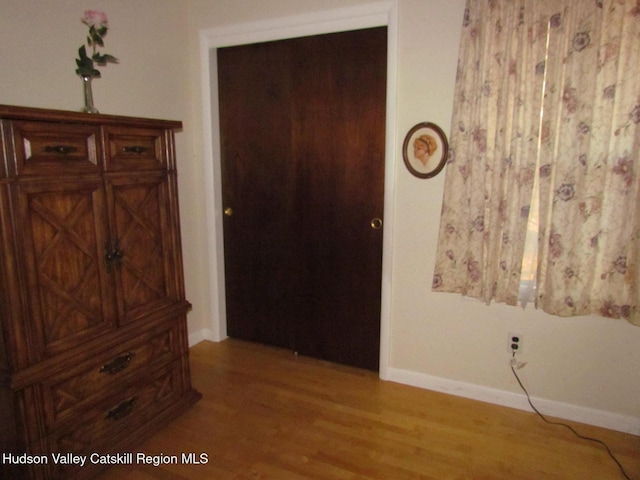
514,344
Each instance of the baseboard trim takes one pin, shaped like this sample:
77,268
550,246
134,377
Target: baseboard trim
200,336
550,408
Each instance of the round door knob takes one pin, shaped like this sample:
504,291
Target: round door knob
376,223
228,211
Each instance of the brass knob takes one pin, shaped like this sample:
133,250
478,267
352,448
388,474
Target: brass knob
228,211
376,223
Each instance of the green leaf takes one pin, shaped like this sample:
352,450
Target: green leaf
103,59
84,63
82,52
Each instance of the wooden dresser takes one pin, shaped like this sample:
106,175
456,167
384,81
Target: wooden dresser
93,345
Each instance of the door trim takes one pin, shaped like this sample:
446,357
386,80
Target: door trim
330,21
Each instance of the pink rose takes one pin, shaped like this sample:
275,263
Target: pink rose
93,18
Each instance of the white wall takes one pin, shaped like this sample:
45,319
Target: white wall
581,368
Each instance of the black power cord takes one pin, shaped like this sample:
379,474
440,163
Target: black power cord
624,473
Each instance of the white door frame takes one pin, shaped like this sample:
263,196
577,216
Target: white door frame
384,13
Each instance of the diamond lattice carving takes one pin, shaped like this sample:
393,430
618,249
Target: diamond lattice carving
139,224
66,258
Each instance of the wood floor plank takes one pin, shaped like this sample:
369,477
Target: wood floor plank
268,414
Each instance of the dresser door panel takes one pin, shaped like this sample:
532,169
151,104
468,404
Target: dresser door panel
70,296
141,233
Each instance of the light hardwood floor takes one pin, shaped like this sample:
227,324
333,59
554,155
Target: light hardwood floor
266,413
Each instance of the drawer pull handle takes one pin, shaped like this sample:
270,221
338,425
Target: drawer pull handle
134,149
121,410
118,364
61,149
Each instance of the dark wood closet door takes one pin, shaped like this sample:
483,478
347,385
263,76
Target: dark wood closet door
303,126
259,192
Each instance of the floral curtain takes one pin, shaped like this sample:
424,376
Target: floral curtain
547,91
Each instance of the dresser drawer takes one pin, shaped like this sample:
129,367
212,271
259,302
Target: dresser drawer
74,390
55,148
135,149
108,423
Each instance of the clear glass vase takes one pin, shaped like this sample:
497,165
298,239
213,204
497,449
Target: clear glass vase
88,95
